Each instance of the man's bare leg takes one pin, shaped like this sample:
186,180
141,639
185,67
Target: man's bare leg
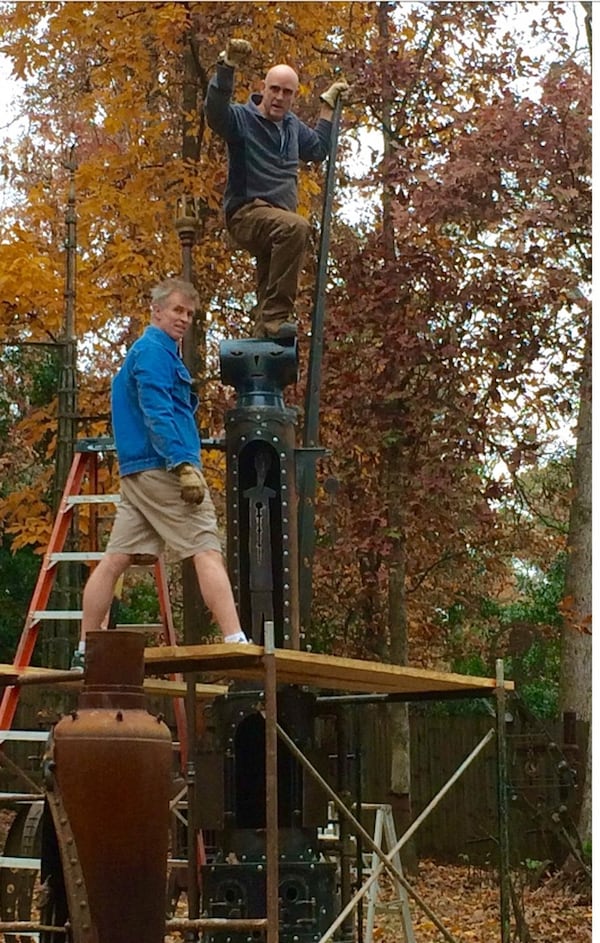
217,592
97,600
99,591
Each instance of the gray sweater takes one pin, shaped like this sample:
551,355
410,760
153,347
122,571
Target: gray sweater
263,163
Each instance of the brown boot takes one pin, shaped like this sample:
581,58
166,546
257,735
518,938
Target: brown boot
279,329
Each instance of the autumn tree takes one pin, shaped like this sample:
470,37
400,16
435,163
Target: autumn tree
457,321
456,312
122,86
576,660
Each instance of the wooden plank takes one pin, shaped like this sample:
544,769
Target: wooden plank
8,675
162,687
327,672
231,662
51,677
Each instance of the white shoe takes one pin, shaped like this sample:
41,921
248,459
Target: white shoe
239,637
78,661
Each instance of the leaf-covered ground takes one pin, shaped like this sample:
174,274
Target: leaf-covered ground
466,900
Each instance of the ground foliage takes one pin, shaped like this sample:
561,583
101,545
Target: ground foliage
466,900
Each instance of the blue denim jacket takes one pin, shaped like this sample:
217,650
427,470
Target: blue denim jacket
153,407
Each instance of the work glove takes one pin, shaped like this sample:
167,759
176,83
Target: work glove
236,53
192,483
334,91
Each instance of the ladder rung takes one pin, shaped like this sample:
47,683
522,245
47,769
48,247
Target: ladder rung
93,499
98,443
32,864
76,555
27,864
48,614
23,736
21,797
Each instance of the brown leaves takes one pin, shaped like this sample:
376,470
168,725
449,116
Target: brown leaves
466,900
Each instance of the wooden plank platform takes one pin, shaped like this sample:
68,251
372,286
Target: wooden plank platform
221,663
326,672
71,680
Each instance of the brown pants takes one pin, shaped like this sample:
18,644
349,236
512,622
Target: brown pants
277,239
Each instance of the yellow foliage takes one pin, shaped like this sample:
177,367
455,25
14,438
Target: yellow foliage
109,78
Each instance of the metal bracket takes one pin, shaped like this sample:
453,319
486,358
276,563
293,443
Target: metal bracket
82,928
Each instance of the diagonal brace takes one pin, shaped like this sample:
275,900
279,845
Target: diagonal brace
385,860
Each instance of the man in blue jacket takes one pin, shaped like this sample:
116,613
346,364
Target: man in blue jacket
265,142
164,500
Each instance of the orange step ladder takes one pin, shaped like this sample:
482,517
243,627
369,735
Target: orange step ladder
81,488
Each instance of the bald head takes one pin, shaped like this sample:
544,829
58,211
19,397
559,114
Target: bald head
278,92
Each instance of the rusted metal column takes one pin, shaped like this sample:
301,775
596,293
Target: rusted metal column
308,456
272,812
112,777
193,891
195,614
67,389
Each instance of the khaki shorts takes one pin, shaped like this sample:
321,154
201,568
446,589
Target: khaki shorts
152,515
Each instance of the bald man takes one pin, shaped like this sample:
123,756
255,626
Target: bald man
265,142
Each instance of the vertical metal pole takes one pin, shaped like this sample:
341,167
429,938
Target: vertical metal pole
503,847
195,617
186,226
272,814
356,716
67,581
67,387
307,472
193,892
313,386
347,849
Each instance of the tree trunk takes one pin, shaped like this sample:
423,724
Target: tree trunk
399,729
398,627
576,640
396,502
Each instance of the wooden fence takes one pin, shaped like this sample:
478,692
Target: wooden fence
544,795
543,801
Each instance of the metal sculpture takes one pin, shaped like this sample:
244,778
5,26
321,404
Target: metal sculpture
108,778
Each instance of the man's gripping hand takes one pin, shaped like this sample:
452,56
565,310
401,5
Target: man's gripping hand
334,91
238,50
193,486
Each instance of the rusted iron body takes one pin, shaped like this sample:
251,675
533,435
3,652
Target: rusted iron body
231,802
112,770
250,792
262,536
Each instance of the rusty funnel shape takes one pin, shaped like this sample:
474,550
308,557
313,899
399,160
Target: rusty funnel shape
112,772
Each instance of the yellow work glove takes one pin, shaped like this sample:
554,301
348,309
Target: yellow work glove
236,53
192,483
334,91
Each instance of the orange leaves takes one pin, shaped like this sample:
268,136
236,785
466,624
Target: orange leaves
30,289
575,620
466,900
29,517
